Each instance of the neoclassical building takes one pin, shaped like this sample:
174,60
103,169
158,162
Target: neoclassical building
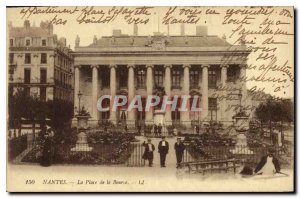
201,64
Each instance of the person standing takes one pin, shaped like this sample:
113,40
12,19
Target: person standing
139,128
155,130
197,129
159,129
268,164
163,149
148,153
46,158
179,149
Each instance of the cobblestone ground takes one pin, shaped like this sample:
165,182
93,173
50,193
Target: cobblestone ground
150,179
138,178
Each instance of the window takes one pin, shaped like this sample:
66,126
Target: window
142,114
43,76
141,78
44,43
195,115
43,93
105,104
123,77
175,115
212,78
212,108
158,78
61,78
176,78
232,73
27,58
11,42
105,77
194,78
27,42
43,58
11,58
27,73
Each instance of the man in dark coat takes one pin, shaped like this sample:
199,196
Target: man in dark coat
139,128
155,130
197,129
268,164
148,153
46,158
179,149
163,149
159,129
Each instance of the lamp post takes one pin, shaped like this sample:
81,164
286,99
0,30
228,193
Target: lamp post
79,97
240,95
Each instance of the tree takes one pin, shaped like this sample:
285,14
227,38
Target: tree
22,105
275,111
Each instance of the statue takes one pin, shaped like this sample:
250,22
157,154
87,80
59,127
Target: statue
77,41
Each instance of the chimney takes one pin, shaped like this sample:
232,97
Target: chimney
201,30
50,28
117,32
26,24
135,30
77,41
182,33
63,41
10,25
95,39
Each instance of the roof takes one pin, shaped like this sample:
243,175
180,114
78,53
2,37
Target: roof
170,41
29,32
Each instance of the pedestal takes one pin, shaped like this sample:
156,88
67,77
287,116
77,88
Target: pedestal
241,146
82,144
82,122
241,123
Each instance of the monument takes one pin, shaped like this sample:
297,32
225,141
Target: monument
82,144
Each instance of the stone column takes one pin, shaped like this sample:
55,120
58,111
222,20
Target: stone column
167,83
243,83
149,114
185,115
94,92
204,103
131,92
113,114
224,93
76,85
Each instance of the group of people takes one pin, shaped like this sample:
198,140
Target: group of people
163,150
157,129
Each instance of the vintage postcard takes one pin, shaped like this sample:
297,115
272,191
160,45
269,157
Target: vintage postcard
150,99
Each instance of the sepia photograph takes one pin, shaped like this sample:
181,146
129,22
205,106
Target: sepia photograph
150,99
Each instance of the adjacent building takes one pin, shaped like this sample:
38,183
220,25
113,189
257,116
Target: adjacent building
39,62
200,64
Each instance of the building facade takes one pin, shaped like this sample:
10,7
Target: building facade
39,62
202,65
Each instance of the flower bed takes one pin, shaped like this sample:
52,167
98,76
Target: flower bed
108,148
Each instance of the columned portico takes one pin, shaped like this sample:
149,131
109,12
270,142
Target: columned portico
176,65
76,84
131,91
223,83
113,114
185,115
204,103
167,83
94,91
149,81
